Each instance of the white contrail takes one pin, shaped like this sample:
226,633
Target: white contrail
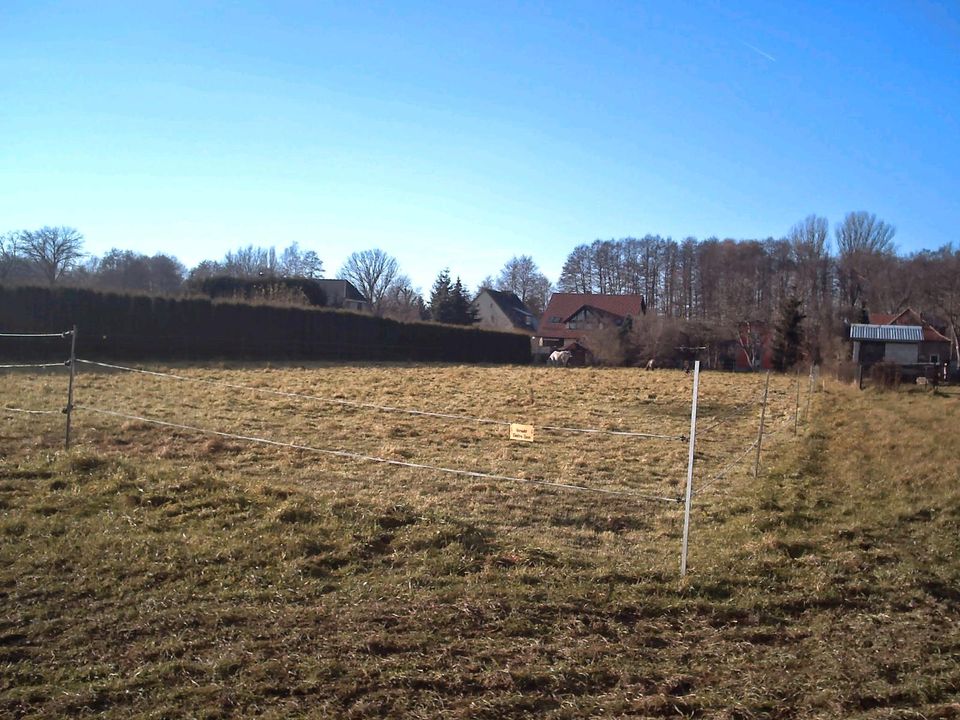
757,50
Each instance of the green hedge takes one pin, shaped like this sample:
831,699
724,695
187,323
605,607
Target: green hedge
112,325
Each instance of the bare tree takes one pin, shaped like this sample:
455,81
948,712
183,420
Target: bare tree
250,262
402,302
372,272
939,276
52,250
863,232
300,263
577,274
10,259
522,277
863,242
812,281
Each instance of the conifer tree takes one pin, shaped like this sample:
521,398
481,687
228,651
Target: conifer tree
788,334
449,302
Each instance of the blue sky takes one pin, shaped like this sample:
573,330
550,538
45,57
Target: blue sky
460,134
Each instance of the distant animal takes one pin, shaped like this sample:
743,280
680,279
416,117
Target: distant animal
560,357
650,364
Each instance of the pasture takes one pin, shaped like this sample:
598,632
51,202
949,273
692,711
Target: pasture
159,571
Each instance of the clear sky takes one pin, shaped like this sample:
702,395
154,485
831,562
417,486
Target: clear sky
460,134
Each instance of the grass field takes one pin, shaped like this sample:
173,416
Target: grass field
161,572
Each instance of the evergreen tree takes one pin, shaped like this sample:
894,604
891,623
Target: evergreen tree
449,302
789,334
440,297
463,311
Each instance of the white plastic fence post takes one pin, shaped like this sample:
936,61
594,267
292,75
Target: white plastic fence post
689,496
796,408
806,410
763,417
73,371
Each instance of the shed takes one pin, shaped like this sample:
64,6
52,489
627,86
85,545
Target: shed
899,344
905,339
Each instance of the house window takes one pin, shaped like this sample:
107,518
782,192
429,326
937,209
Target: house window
935,359
556,319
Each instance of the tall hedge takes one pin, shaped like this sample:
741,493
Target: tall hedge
112,325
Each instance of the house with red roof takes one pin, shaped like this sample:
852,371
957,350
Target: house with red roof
569,318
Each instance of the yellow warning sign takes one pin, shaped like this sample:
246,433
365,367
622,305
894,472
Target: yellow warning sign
523,433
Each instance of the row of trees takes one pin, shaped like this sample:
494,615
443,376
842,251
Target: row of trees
721,283
727,282
55,255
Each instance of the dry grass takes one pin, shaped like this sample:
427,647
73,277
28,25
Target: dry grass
163,573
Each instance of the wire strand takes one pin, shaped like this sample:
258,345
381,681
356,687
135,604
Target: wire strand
373,406
32,412
34,365
372,458
720,475
36,335
738,410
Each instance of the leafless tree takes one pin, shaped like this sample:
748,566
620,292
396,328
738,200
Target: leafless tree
522,277
863,242
402,302
11,260
372,272
250,262
295,262
577,273
863,232
812,280
938,273
52,251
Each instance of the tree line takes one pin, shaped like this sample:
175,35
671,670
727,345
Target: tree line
54,255
719,282
728,282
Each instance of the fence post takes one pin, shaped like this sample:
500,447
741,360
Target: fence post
689,495
73,371
806,410
763,417
796,408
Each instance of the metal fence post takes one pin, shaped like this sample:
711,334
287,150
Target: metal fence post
763,417
689,494
73,371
